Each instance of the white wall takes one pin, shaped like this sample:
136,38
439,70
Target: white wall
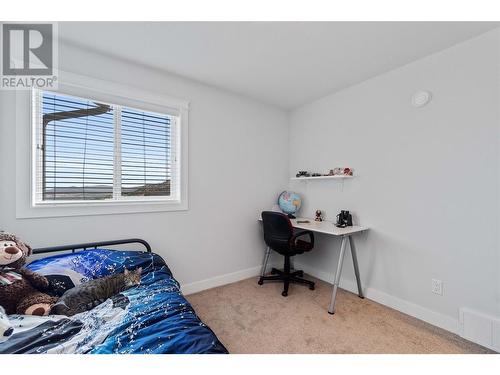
236,166
427,180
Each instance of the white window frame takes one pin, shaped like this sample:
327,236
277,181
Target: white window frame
108,92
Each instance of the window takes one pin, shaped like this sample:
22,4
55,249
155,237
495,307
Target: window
87,151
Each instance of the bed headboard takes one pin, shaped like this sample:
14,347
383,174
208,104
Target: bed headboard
91,245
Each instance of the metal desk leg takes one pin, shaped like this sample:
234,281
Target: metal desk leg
331,308
264,265
356,266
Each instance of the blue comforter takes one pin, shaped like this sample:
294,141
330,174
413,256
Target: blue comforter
153,317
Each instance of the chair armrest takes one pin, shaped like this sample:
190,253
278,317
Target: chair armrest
302,232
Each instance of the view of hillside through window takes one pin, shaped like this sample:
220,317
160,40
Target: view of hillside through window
96,151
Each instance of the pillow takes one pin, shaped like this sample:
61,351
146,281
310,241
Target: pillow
68,270
65,271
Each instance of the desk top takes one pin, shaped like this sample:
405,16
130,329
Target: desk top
325,227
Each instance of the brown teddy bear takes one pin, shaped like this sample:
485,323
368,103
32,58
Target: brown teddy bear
21,290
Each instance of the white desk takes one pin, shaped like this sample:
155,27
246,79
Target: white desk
328,228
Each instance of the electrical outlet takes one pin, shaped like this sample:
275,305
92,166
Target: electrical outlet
437,287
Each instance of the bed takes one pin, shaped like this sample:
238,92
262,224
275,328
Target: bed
153,317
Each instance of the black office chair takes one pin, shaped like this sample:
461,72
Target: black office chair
280,236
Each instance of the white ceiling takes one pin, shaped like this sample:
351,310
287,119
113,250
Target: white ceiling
286,64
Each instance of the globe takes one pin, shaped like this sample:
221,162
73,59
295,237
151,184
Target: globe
289,202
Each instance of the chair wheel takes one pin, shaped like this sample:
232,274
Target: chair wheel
284,294
311,287
260,282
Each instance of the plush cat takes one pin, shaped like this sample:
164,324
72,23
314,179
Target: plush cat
86,296
21,290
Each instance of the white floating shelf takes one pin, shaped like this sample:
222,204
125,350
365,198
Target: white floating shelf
337,177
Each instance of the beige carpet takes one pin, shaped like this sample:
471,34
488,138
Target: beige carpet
249,318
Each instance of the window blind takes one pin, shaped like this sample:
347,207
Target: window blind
77,149
91,151
145,153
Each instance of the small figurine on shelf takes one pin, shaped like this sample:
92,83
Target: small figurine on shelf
347,172
319,215
340,172
303,174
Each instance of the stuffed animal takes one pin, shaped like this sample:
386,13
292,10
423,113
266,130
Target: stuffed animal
21,290
5,326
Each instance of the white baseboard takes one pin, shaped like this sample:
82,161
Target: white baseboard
213,282
409,308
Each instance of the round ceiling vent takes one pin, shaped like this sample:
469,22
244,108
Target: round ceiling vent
421,98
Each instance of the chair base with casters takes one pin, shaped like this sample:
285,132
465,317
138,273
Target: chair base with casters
287,277
281,237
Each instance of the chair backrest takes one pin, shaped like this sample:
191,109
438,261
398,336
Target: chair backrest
278,231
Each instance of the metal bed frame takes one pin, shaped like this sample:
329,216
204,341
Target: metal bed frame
91,245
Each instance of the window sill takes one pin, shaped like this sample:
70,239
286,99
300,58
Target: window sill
104,203
98,208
